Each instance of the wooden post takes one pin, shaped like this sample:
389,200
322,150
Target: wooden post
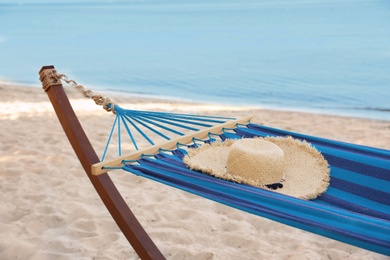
119,210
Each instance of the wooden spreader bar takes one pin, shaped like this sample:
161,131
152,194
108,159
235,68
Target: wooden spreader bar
98,168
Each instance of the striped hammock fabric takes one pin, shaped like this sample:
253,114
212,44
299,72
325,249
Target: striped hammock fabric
355,209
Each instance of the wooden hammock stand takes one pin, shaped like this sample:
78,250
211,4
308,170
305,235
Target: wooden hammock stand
120,211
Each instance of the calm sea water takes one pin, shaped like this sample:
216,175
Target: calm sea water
324,56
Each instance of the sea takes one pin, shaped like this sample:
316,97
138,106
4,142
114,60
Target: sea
321,56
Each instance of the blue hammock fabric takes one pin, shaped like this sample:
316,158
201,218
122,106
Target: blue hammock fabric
137,121
355,209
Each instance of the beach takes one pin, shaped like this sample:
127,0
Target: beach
49,209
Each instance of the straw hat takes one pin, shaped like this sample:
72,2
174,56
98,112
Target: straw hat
285,165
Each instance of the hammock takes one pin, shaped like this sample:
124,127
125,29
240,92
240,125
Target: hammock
355,209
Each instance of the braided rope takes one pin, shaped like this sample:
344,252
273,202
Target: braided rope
51,77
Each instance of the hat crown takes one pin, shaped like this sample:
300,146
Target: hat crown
256,159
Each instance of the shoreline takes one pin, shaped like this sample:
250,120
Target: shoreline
290,120
120,94
50,210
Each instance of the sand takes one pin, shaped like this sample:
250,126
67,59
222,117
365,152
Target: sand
49,209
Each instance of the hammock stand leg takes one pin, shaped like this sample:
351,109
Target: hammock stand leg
119,210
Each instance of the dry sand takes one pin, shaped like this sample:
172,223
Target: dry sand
49,209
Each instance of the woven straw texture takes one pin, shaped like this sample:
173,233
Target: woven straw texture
256,160
306,171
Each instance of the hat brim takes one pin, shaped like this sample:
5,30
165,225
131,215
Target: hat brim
307,173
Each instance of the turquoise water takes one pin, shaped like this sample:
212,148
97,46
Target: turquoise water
324,56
